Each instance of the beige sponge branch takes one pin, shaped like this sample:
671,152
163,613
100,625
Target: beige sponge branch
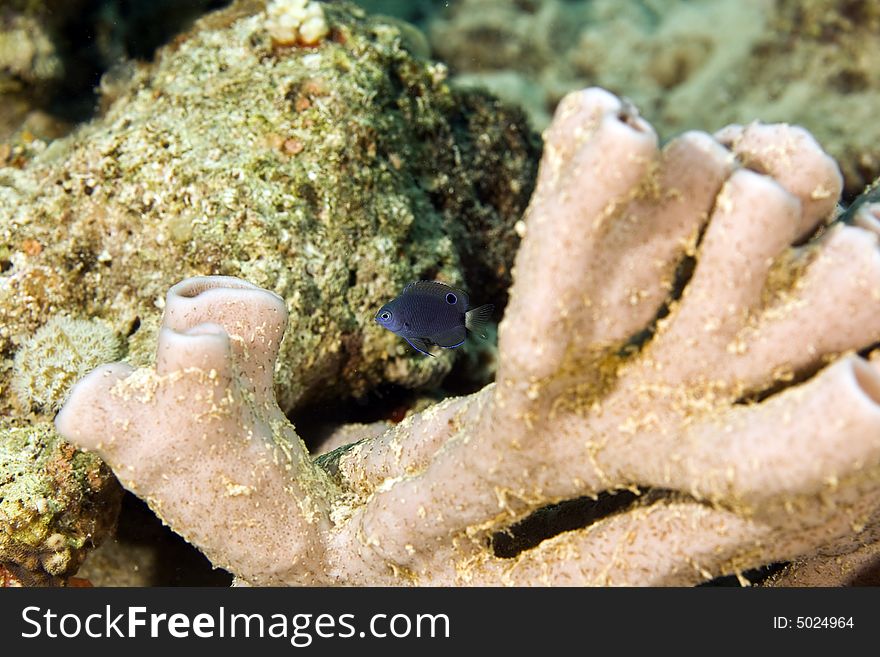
635,260
204,426
254,318
791,156
672,332
754,220
742,458
585,181
205,347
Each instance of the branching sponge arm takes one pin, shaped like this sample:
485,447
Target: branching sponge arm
203,429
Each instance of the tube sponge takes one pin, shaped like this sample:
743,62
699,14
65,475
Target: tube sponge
57,355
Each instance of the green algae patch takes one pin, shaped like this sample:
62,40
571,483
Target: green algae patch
56,502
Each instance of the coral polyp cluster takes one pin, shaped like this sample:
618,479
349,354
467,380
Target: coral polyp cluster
62,351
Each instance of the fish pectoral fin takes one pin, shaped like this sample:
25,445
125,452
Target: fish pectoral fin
419,345
477,319
450,338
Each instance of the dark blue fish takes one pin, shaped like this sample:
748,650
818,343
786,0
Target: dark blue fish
428,312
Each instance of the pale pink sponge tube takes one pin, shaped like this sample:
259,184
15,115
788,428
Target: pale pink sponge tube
682,345
204,425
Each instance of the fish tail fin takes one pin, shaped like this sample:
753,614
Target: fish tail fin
475,320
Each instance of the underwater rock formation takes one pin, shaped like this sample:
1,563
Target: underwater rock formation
332,174
53,51
680,333
31,58
816,63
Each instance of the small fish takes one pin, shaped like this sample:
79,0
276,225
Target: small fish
429,312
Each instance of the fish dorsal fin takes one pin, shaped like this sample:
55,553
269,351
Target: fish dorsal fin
440,290
476,319
450,338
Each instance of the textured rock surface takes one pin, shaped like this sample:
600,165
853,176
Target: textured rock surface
55,503
31,61
52,52
332,175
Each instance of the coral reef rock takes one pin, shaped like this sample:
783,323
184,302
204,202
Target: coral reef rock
679,346
332,174
810,63
31,57
52,51
56,504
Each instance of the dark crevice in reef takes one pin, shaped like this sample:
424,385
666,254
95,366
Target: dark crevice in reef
871,194
100,34
146,26
817,232
566,516
801,376
386,402
683,274
580,513
753,576
145,552
757,396
864,353
467,375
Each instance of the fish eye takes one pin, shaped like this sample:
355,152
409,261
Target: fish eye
385,316
451,299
